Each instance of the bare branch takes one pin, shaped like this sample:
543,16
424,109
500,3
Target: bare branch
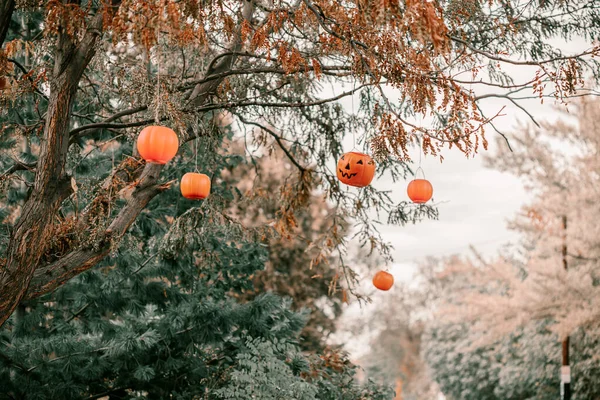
277,139
592,51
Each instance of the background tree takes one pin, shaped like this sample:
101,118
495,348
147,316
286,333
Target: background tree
524,363
395,350
293,268
99,72
559,162
448,355
496,325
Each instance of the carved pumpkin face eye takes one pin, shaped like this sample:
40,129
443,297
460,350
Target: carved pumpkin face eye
360,162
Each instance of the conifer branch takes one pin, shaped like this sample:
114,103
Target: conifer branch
13,362
108,392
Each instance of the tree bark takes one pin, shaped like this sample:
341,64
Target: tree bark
31,235
7,7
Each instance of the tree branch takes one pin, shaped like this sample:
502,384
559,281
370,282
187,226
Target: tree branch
75,133
26,73
592,51
51,276
277,139
18,166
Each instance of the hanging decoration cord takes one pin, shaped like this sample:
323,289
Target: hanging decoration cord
420,155
419,143
353,123
422,172
158,99
196,152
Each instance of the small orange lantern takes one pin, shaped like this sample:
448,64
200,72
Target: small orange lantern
195,186
383,280
356,169
157,144
420,191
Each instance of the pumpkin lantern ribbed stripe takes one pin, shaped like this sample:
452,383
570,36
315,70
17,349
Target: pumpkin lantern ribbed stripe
195,186
157,144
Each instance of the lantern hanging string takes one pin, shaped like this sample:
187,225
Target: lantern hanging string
196,152
158,100
422,171
420,148
353,121
422,136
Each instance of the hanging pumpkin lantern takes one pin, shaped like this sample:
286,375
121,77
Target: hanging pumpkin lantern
383,280
157,144
420,191
356,169
195,186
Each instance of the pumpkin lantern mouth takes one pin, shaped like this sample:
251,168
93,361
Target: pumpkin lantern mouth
348,175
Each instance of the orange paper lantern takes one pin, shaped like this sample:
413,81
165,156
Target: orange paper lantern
356,169
420,191
195,186
383,280
157,144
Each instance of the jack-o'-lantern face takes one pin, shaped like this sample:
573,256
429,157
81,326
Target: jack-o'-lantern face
356,169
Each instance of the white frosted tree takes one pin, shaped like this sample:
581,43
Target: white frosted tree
498,324
559,162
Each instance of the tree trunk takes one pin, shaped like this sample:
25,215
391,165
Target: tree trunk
22,277
6,10
31,235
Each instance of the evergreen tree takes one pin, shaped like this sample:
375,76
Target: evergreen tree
295,267
91,74
159,317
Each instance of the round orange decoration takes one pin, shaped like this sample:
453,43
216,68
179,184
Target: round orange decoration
195,186
356,169
157,144
383,280
420,190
